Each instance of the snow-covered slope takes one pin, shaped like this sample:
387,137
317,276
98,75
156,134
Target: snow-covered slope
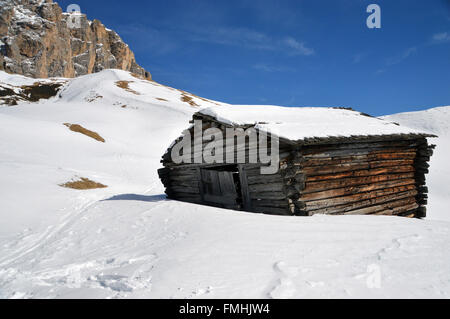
127,240
435,121
138,120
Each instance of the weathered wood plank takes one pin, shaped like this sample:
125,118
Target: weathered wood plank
264,179
360,199
193,184
181,189
357,159
398,210
271,210
255,171
354,189
181,179
363,203
386,208
336,201
349,172
353,181
279,187
402,144
352,152
270,203
267,195
184,197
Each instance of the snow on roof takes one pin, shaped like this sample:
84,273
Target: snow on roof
301,123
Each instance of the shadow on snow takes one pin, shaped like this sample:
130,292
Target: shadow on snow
142,198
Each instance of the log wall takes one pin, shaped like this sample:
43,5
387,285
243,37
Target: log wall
383,177
181,183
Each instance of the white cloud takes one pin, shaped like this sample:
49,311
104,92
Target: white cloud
270,68
399,58
441,37
147,38
396,59
298,48
357,58
248,38
231,36
169,39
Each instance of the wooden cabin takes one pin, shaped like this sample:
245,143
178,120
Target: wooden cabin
332,161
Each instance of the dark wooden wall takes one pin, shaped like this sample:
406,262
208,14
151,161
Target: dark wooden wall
260,193
181,183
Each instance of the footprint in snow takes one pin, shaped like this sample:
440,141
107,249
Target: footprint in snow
284,287
114,282
406,244
202,291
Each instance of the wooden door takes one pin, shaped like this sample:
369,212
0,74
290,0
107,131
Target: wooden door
219,188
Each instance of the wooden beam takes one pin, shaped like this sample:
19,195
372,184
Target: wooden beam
246,200
351,171
373,161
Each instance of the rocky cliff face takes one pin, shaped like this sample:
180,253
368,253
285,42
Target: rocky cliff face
38,40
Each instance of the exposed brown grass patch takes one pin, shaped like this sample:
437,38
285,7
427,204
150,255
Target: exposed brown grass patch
203,99
188,99
40,90
79,129
187,95
83,183
126,86
123,84
161,99
8,96
11,95
123,106
93,97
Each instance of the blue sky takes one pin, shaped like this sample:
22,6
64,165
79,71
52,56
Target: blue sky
292,53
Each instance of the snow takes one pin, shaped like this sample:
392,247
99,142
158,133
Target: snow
128,241
15,79
23,15
148,247
299,123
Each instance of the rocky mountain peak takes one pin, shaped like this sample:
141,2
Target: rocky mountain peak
38,39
